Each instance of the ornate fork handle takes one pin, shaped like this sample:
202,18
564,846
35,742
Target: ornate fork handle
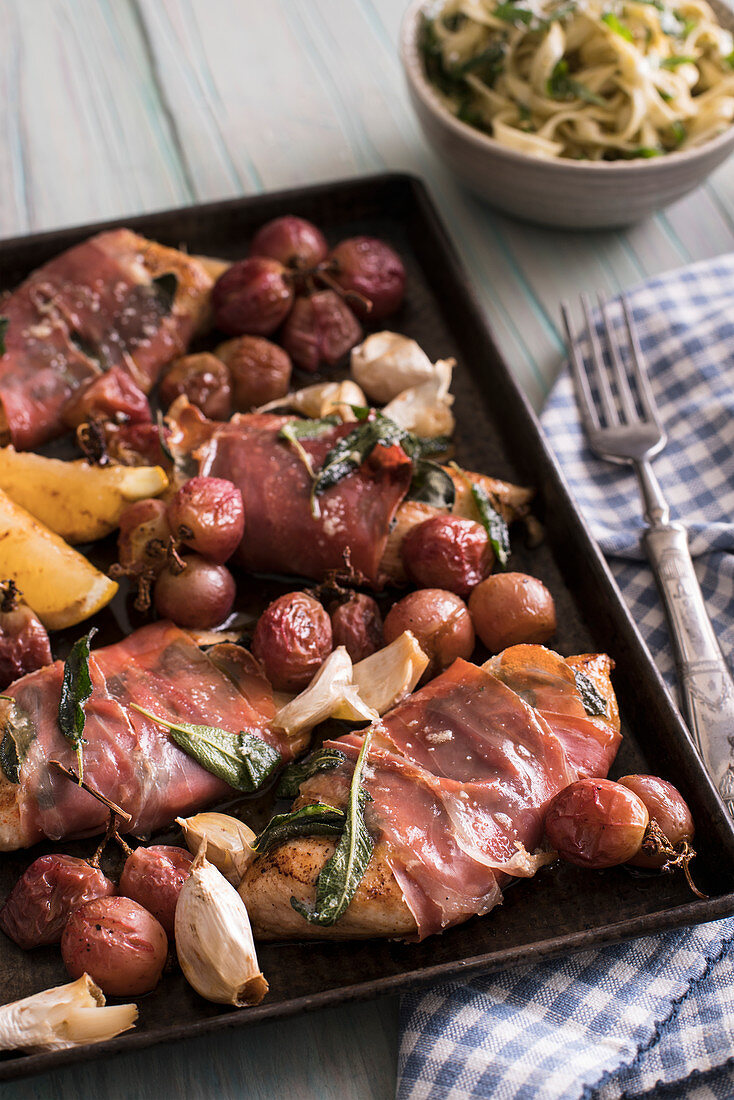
706,685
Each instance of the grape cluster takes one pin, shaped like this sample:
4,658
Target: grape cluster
318,296
179,549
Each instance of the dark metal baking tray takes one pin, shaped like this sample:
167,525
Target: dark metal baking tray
562,909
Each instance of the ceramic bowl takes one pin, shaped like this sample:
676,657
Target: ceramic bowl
567,193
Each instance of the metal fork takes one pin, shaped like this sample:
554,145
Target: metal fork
621,429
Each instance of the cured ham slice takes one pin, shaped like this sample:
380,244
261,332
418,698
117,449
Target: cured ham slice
92,308
459,776
548,684
128,757
283,534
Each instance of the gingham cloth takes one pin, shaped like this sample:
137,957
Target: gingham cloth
655,1015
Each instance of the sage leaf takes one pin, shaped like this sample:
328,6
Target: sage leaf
343,872
19,733
322,761
511,13
9,757
309,429
493,522
615,24
165,287
432,485
76,688
316,819
4,322
243,759
594,702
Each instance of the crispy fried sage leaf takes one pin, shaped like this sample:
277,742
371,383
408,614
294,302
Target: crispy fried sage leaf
493,522
317,819
563,86
322,761
9,757
242,759
432,485
165,287
343,872
308,429
594,702
19,733
4,322
76,688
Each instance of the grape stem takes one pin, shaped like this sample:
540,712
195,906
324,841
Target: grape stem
656,843
117,817
9,595
322,274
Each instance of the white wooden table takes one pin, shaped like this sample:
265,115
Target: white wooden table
109,108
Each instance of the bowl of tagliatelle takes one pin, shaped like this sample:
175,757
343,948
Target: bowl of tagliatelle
574,113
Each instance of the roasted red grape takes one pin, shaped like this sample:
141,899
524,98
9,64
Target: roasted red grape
208,516
252,296
199,598
292,640
667,808
46,894
357,625
260,370
369,267
320,328
204,380
596,823
143,535
509,608
110,396
118,943
294,241
153,877
24,644
447,552
440,621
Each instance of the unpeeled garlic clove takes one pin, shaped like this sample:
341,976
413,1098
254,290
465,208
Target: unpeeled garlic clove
228,842
425,409
62,1017
331,694
387,363
322,399
214,941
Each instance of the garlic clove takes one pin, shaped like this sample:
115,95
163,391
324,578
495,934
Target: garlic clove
387,363
322,399
228,842
331,694
214,941
425,409
386,677
63,1017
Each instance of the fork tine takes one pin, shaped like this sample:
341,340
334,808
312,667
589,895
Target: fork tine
583,390
597,356
647,398
620,373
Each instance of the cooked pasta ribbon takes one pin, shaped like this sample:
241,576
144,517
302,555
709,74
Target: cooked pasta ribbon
583,79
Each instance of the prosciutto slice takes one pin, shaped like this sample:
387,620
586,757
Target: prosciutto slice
127,756
548,684
283,534
92,308
460,775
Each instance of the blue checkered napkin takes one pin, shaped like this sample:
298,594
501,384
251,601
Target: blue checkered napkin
655,1016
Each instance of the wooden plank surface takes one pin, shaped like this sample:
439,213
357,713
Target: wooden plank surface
114,107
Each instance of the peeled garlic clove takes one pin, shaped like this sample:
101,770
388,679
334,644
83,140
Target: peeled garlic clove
386,677
331,694
425,410
228,842
214,940
322,399
387,363
63,1017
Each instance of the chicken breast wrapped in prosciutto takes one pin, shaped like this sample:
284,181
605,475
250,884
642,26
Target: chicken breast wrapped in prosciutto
116,300
458,777
128,757
294,529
